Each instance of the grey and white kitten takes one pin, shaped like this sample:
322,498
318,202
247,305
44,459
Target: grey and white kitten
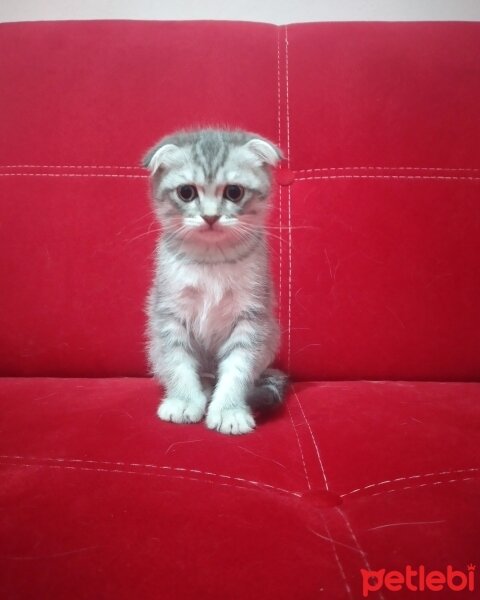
212,333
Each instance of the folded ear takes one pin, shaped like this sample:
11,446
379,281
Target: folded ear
264,152
163,156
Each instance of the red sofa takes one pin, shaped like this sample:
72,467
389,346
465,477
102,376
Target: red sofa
374,461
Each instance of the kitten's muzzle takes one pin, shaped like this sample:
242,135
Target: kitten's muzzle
210,220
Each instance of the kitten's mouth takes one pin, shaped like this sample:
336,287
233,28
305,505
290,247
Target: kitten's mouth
208,235
212,230
215,234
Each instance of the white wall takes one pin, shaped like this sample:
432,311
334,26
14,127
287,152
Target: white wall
273,11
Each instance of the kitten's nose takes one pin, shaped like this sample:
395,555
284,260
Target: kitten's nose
210,220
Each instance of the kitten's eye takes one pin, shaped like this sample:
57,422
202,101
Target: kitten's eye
234,193
187,193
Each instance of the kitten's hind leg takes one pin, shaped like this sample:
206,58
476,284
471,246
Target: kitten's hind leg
269,390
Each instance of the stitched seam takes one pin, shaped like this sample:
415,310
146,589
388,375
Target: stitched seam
300,448
287,99
289,278
313,440
280,244
355,540
287,95
337,558
100,470
312,170
363,554
409,477
421,485
280,239
128,167
404,177
334,547
473,170
148,466
327,487
279,99
73,175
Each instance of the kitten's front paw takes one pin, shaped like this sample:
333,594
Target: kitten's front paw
178,410
232,421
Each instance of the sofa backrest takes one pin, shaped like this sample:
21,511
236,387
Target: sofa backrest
376,226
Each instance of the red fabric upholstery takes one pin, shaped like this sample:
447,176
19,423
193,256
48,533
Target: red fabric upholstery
375,253
100,499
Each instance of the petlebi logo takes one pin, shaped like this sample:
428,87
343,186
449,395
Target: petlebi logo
418,580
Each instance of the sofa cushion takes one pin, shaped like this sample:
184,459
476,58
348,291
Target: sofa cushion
100,499
374,233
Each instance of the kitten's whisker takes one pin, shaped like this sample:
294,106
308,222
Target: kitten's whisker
269,234
144,234
271,249
276,237
130,223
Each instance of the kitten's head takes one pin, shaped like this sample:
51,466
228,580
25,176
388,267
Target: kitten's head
211,187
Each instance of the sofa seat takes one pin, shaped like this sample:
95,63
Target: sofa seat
100,500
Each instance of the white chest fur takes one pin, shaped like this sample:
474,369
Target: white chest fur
209,298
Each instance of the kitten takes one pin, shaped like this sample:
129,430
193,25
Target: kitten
210,307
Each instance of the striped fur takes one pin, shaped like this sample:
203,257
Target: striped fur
210,309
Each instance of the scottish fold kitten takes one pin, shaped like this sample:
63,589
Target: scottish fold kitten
211,330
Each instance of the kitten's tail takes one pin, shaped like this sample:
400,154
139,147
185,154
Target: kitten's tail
269,389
